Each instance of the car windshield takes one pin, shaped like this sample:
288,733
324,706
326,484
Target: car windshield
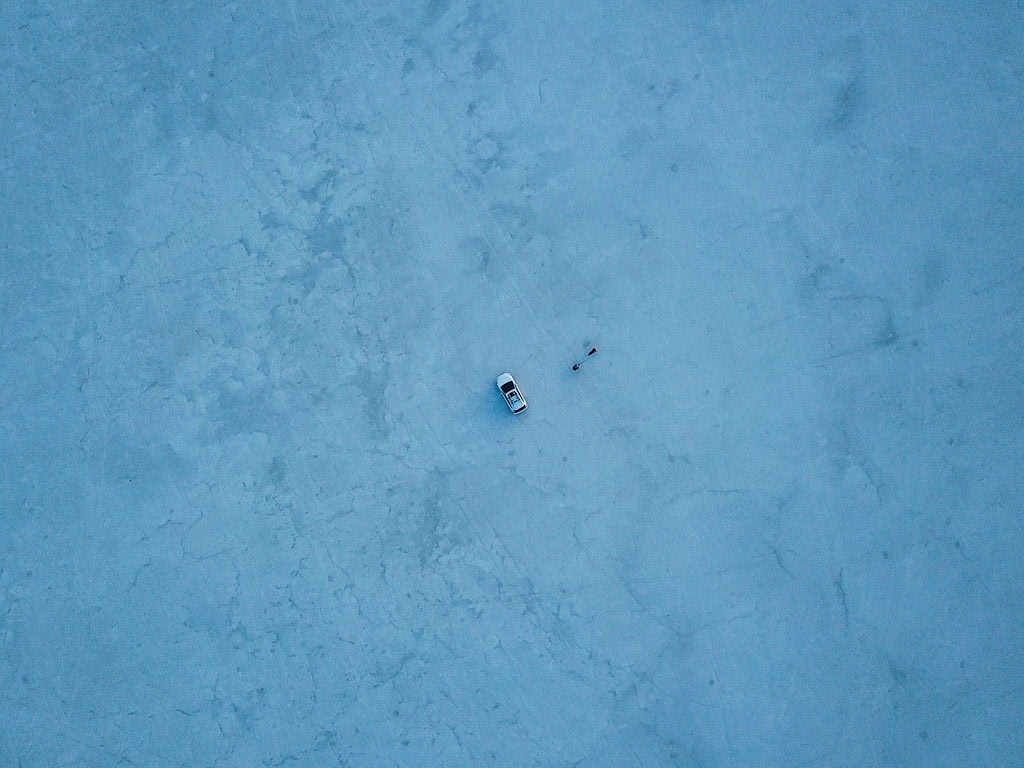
508,387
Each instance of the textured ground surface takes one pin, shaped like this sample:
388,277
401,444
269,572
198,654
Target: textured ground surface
261,504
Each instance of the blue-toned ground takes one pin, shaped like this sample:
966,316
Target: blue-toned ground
262,504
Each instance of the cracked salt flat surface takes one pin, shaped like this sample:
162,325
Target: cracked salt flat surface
262,504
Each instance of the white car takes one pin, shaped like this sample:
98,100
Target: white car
510,390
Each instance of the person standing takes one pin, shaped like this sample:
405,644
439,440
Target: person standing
577,365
